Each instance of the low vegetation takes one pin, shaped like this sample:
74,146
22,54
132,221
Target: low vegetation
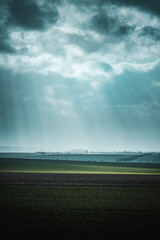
53,166
32,212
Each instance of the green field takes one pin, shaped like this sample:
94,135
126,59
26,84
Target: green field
36,212
53,166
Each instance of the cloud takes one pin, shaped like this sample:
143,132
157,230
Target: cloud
143,5
151,32
121,67
87,43
5,45
110,25
30,15
25,14
103,23
92,45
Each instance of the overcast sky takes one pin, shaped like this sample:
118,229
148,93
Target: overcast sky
80,74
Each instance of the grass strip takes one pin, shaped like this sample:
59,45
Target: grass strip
45,166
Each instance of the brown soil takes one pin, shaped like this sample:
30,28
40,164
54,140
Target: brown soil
106,180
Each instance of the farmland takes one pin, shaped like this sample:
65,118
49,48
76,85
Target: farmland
64,166
31,212
54,199
67,179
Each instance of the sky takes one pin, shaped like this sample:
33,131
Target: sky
80,74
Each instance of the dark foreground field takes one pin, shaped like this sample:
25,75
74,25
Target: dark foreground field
40,206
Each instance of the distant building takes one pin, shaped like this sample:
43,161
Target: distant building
79,151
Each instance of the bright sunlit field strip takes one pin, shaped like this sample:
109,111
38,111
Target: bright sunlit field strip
39,166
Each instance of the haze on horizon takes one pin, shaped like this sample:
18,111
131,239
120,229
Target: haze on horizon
80,74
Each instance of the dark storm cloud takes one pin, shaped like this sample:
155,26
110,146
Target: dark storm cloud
145,5
27,15
151,32
4,40
124,30
30,15
105,24
5,46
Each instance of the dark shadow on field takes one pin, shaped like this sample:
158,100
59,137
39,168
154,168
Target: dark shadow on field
34,212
